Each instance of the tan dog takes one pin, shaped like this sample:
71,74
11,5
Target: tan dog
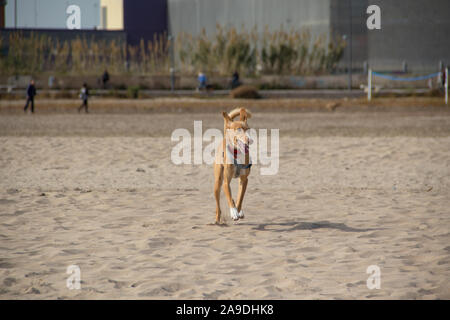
234,162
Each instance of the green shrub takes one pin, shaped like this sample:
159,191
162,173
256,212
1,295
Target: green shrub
250,53
133,92
120,87
245,92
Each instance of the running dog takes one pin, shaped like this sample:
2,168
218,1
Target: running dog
232,161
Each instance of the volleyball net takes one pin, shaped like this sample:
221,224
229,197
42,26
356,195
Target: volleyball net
372,74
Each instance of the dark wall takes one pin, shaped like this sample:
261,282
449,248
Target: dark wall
341,18
415,31
67,35
144,19
2,14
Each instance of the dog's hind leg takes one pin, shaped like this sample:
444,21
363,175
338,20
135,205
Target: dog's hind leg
218,179
243,180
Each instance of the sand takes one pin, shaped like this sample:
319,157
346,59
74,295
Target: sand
99,191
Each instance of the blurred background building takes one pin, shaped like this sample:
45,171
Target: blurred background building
111,15
49,14
136,19
413,35
414,32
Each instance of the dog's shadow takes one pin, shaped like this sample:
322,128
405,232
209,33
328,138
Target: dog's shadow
221,224
303,225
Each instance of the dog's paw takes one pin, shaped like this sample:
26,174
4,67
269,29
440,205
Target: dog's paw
234,214
241,214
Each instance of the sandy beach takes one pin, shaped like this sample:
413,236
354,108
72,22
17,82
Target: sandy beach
99,191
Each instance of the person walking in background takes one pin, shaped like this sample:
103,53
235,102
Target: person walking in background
84,94
105,78
235,80
201,81
31,92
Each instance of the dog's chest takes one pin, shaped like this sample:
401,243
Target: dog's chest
241,161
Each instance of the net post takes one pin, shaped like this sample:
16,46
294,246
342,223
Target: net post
446,85
369,85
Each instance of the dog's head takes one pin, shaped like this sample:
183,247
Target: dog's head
236,131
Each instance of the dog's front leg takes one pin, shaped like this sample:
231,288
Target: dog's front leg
243,180
228,174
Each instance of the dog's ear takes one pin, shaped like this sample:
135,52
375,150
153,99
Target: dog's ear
226,117
243,115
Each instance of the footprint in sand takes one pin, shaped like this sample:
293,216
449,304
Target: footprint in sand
7,201
5,264
8,282
118,284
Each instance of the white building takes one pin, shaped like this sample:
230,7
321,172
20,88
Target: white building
63,14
